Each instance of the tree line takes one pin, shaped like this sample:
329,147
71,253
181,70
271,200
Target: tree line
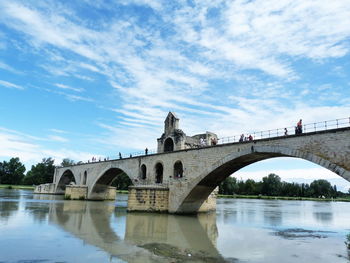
13,172
272,185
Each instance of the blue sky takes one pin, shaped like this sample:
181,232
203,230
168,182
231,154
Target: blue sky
92,78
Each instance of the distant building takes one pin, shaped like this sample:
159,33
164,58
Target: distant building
174,139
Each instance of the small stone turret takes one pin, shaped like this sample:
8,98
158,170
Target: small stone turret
174,139
171,123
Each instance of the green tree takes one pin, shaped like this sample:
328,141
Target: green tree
67,162
290,189
250,187
271,185
41,173
228,186
321,188
12,172
122,182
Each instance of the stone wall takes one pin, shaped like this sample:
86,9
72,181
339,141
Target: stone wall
111,193
144,198
76,192
151,198
44,189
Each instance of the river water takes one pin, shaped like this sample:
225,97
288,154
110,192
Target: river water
44,228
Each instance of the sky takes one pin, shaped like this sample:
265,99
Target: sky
93,78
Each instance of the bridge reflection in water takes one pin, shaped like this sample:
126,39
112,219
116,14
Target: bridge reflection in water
102,224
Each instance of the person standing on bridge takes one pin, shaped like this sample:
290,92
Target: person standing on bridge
285,132
299,128
146,151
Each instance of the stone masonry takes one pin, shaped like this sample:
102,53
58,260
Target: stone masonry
204,168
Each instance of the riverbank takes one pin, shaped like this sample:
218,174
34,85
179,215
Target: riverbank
122,191
9,186
284,198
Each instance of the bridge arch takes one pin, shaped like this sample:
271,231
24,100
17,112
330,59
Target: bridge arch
66,178
202,186
99,188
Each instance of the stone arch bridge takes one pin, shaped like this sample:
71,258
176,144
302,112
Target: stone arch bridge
182,181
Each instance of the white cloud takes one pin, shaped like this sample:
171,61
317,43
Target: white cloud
31,150
172,60
62,86
73,98
5,66
57,131
57,138
10,85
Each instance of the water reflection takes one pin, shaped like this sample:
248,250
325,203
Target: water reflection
322,212
324,217
91,222
272,218
39,211
7,210
192,233
250,230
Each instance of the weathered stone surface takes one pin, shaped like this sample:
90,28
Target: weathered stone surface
148,199
45,189
76,192
204,168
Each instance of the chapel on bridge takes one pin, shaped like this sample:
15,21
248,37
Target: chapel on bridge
174,139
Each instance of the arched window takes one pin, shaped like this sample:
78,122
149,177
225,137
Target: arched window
168,145
159,173
143,172
178,169
85,177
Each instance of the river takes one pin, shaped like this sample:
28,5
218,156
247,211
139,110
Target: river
46,228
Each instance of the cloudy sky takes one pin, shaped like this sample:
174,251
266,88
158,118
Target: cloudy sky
92,78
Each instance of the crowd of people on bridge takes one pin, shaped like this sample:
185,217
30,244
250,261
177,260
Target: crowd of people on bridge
245,138
203,142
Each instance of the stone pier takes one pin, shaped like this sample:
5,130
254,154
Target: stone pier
156,199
